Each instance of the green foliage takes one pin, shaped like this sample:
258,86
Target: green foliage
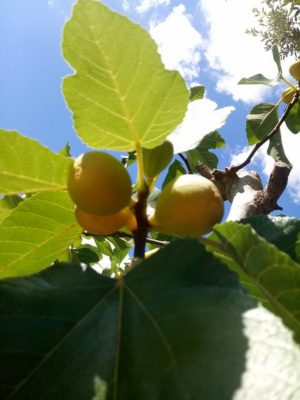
274,280
260,122
293,119
279,25
201,154
197,92
176,169
188,321
121,95
157,159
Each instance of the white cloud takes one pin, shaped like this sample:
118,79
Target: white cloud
231,52
291,145
146,5
125,5
202,117
179,48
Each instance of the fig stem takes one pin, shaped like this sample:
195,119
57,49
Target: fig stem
288,83
140,234
141,186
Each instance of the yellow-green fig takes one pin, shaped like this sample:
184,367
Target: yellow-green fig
99,184
295,70
157,159
106,225
288,94
190,205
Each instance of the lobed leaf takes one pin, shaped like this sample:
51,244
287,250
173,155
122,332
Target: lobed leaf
121,93
177,326
152,333
36,233
27,166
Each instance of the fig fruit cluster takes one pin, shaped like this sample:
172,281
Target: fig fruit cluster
288,94
100,187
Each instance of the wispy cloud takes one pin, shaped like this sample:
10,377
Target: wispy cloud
179,48
57,5
146,5
232,53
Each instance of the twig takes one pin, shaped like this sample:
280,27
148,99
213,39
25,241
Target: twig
148,240
186,162
269,136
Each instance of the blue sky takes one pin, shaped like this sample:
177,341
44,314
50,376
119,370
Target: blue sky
205,43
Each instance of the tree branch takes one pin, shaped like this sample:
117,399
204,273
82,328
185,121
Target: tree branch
270,135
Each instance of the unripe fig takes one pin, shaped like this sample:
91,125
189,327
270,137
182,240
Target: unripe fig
190,205
288,94
295,70
157,159
99,184
106,225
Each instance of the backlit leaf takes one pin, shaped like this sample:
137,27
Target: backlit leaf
36,233
121,93
27,166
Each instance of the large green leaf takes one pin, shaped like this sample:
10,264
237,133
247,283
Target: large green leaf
27,166
151,335
269,274
261,120
177,327
36,233
121,94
